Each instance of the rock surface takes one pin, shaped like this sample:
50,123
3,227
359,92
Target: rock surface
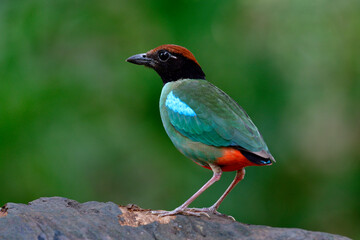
61,219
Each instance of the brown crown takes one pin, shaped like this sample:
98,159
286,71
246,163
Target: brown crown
175,49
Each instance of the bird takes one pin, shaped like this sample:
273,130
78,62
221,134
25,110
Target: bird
203,122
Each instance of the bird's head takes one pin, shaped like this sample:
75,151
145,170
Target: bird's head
171,62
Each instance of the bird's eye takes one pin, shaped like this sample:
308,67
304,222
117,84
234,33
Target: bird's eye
164,56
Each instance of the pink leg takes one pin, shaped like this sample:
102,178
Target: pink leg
182,209
213,209
240,174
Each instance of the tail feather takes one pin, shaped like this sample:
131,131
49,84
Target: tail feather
261,158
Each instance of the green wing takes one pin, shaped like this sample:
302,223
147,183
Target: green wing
215,119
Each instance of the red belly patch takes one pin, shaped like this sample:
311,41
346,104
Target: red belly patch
232,160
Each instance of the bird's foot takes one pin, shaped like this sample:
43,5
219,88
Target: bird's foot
183,211
210,210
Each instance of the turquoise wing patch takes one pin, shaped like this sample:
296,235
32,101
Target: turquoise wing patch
176,105
188,123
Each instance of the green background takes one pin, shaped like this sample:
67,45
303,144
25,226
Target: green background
77,121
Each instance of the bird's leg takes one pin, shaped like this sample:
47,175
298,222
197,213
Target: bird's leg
213,209
240,174
183,208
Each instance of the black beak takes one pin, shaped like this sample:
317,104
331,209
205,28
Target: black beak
140,59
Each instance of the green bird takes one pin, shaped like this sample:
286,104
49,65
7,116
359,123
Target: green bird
203,122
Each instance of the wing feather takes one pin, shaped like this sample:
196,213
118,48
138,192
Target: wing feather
217,120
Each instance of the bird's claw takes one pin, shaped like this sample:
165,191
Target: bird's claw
185,211
192,212
211,210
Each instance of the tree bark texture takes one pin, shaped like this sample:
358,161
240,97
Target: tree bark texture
63,219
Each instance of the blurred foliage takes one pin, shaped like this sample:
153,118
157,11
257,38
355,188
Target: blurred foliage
77,121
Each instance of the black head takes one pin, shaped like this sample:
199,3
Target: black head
171,62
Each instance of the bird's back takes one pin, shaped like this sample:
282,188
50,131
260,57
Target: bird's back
199,117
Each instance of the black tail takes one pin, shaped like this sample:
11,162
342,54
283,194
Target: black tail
252,157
